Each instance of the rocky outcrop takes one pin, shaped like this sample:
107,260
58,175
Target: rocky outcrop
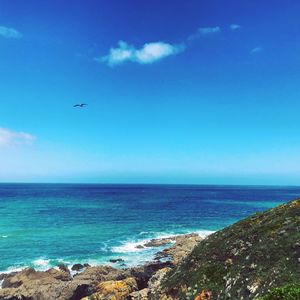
183,246
155,284
114,290
79,267
142,274
56,284
102,282
140,295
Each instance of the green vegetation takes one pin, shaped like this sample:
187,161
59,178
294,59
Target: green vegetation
287,292
245,260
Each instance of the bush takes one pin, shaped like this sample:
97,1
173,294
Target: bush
287,292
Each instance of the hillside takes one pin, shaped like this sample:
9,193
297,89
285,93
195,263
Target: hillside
242,261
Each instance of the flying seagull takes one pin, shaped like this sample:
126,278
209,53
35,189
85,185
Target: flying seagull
79,105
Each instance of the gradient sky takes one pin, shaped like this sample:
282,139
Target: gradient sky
178,91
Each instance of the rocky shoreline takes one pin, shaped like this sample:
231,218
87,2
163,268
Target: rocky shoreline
100,282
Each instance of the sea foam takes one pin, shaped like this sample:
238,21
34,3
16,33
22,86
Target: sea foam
138,245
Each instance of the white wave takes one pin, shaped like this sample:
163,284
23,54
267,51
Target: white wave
204,233
41,262
4,236
131,246
139,245
13,269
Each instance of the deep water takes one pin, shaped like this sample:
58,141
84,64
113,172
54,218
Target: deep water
42,225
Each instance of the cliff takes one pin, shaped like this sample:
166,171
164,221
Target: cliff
243,261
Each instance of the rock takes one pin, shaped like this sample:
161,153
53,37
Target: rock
63,275
116,260
55,284
140,295
155,284
140,247
77,267
30,275
94,275
114,290
183,246
143,273
159,242
64,268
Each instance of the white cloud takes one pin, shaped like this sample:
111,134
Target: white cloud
256,50
149,53
235,26
9,137
9,33
209,30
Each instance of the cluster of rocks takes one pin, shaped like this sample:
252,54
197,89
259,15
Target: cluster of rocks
101,282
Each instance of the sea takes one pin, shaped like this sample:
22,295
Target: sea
43,225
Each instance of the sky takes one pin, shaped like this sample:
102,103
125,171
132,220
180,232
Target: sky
197,91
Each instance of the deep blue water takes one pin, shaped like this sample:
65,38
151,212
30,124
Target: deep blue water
43,224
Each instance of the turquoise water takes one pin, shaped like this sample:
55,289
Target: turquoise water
42,225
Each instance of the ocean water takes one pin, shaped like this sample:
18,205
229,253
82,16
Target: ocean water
42,225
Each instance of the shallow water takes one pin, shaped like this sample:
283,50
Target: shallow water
42,225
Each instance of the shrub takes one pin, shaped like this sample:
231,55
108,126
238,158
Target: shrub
286,292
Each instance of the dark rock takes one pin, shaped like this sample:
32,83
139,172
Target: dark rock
63,268
116,260
77,267
139,247
142,274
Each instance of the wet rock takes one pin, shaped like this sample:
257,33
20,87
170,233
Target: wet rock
63,268
140,247
116,260
77,267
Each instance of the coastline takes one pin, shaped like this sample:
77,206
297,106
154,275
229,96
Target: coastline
131,252
169,251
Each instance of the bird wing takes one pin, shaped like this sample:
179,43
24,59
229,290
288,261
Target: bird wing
76,105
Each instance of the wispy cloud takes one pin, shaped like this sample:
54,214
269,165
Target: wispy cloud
209,30
149,53
10,33
9,137
256,50
235,27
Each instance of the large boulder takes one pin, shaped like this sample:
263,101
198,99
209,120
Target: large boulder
114,290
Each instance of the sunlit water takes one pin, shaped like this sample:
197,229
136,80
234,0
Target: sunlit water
42,225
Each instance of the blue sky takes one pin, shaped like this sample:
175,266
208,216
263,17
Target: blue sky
177,91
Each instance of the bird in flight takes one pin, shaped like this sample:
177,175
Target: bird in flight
80,105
